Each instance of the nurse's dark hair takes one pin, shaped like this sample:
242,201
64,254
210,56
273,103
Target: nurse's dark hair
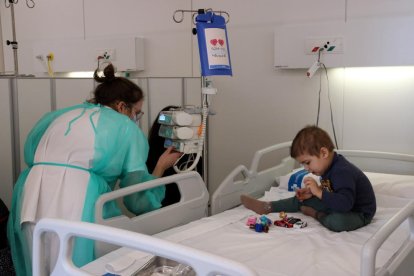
309,140
112,89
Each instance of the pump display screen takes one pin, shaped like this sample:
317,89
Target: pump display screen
164,118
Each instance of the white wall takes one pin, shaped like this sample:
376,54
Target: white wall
6,162
259,105
1,52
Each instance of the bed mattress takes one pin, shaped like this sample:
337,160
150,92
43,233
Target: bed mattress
312,250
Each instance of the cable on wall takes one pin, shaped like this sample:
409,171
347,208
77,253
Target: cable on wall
329,99
310,73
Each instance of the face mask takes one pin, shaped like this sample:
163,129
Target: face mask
135,118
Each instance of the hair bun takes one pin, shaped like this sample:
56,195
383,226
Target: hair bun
109,72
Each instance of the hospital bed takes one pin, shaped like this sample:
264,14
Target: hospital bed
384,247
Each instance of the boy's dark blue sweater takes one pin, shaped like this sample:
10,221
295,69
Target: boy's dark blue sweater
347,189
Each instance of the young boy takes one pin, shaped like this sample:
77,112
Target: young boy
345,200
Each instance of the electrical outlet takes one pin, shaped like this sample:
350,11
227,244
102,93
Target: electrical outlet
105,54
327,45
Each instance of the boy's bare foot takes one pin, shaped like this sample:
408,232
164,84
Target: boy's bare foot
260,207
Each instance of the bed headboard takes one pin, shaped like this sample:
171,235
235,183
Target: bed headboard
382,162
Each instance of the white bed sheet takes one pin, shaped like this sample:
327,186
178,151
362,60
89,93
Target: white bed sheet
313,250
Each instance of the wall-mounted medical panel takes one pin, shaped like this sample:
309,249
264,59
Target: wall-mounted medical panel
71,55
295,44
363,42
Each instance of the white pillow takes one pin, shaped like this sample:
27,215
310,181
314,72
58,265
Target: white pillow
295,179
383,183
392,184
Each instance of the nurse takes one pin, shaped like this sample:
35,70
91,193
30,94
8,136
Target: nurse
76,154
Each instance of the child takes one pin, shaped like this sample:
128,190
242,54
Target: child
345,200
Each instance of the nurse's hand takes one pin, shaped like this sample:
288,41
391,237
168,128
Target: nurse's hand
166,160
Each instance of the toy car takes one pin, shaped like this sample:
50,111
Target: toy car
251,222
292,220
287,222
259,224
300,224
281,223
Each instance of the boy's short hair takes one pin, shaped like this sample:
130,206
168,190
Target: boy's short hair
310,140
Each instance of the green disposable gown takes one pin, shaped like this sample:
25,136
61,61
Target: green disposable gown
73,156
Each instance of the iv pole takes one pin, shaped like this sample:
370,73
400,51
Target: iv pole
13,43
13,94
205,86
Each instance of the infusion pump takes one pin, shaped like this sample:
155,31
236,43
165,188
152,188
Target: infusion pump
181,129
180,117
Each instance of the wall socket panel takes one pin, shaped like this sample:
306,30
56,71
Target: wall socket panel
106,54
330,45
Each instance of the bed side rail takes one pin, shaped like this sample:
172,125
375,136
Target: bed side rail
382,162
401,263
202,262
253,183
192,206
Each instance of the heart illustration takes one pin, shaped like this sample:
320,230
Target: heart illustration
221,42
214,42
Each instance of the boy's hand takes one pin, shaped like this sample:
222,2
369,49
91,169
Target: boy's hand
302,194
313,186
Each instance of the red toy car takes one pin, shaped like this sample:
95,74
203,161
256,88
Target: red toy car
286,222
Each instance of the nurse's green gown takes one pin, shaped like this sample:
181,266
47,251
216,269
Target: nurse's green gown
73,156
